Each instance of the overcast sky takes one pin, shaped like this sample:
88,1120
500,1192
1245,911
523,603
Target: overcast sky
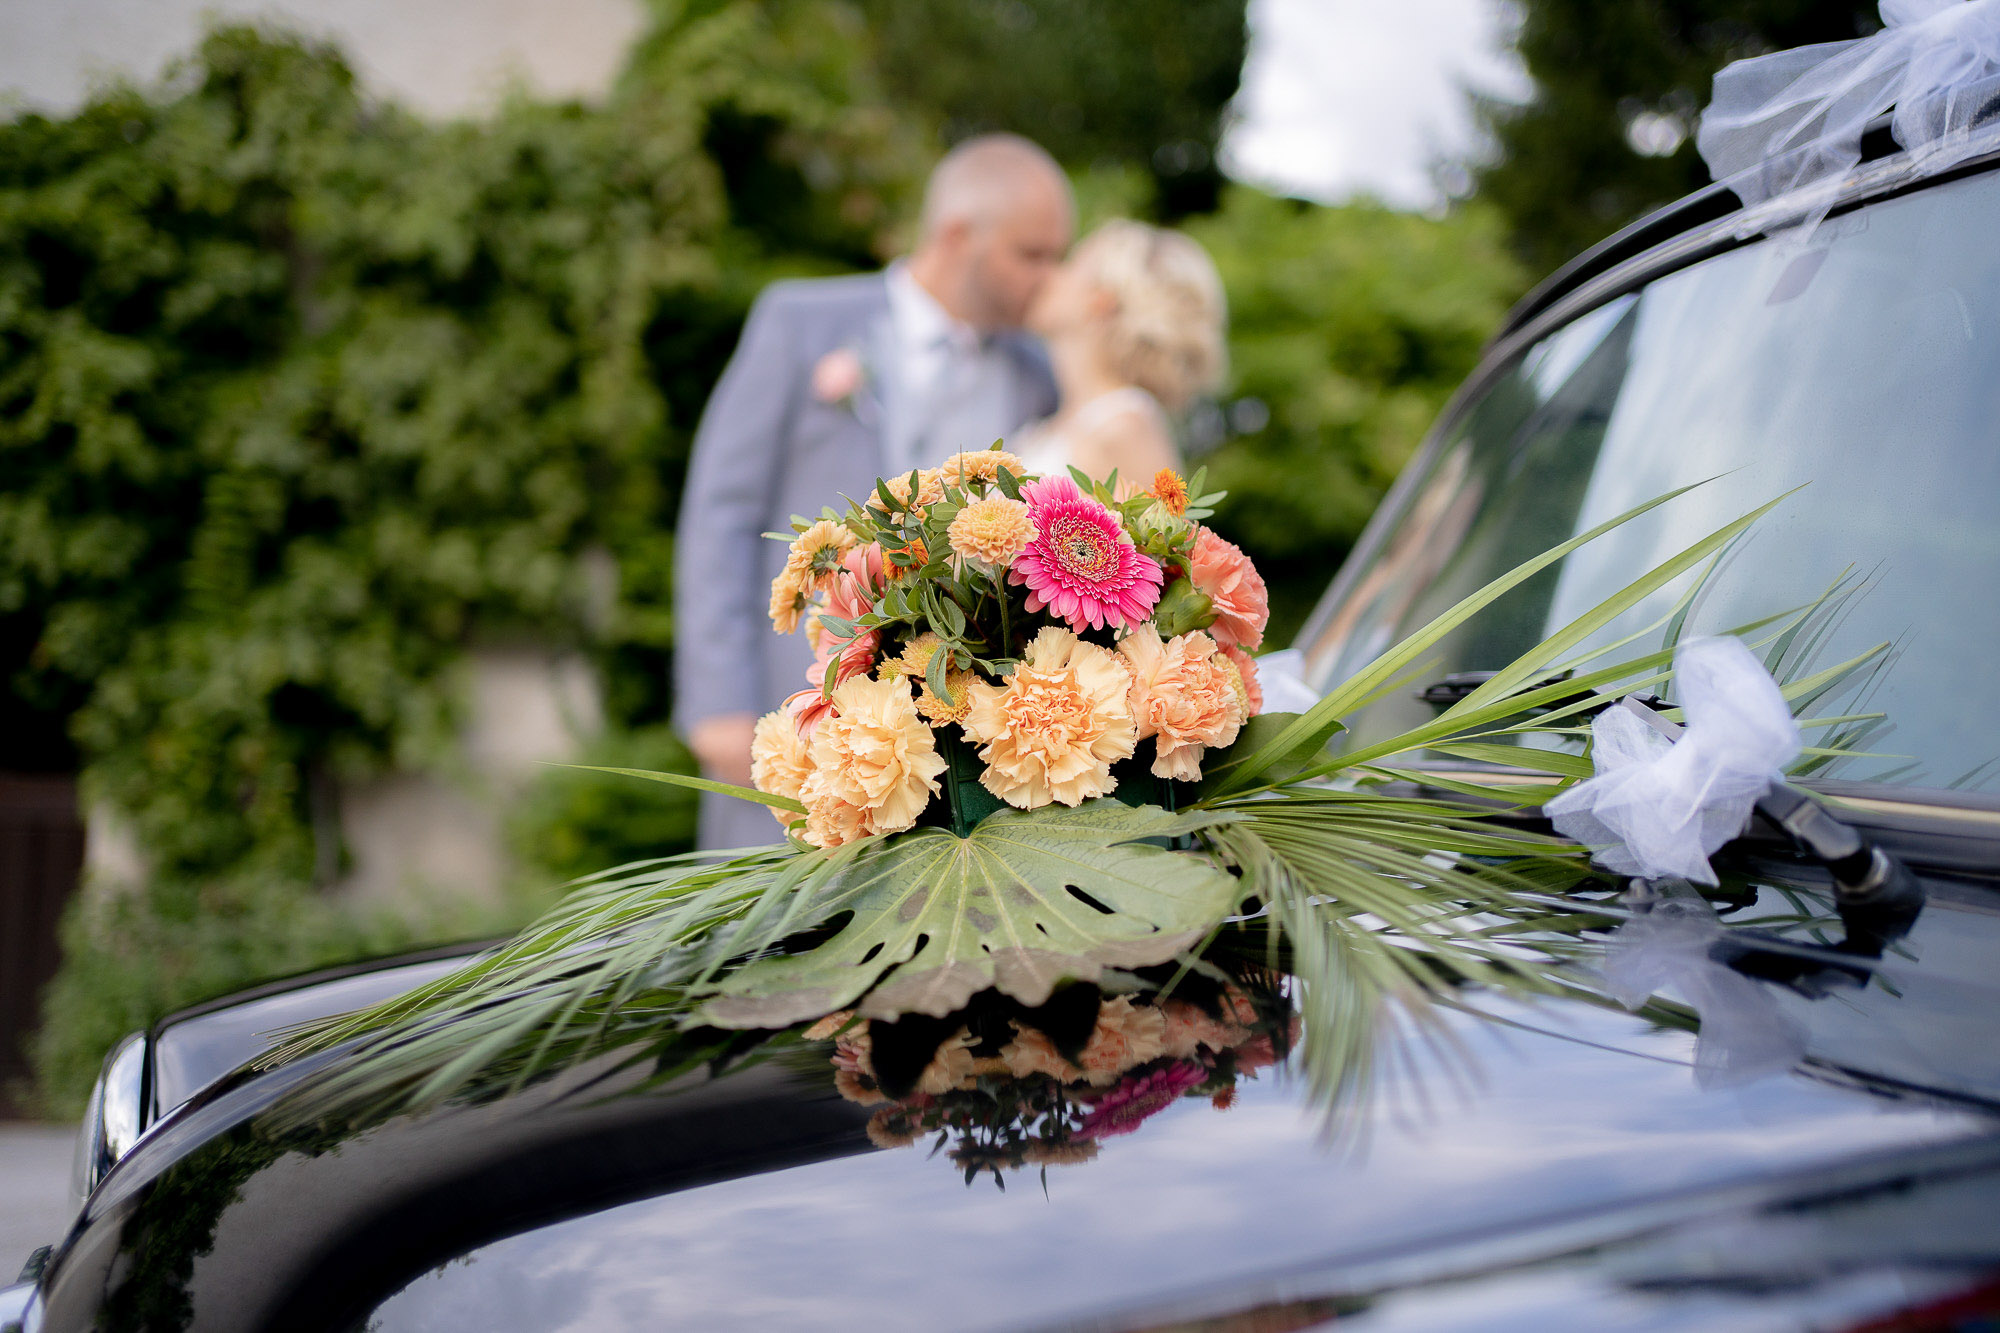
1339,96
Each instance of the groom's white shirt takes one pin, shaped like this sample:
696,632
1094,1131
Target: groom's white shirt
957,388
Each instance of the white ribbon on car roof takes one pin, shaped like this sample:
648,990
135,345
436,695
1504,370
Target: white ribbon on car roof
1793,120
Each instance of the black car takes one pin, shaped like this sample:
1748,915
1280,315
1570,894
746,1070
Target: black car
1823,1154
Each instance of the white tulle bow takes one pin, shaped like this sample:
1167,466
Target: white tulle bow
1658,808
1282,675
1793,120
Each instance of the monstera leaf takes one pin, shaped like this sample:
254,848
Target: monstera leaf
1023,902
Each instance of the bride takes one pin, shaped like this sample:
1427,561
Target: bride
1134,322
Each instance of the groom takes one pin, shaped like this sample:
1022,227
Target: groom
837,381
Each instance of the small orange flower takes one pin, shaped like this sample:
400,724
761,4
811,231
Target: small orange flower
1170,490
915,554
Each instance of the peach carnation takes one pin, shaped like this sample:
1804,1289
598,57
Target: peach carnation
1227,578
1184,695
951,1066
980,465
991,531
1052,732
1190,1029
1249,687
1031,1053
780,760
1127,1035
875,764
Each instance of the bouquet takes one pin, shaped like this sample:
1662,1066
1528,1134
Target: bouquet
1031,764
1082,643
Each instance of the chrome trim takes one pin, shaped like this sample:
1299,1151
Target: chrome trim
14,1303
113,1119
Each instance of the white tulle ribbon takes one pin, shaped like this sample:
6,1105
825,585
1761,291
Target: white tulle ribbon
1282,675
1792,120
1657,807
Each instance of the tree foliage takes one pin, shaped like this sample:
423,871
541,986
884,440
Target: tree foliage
1095,81
302,395
1566,171
1350,326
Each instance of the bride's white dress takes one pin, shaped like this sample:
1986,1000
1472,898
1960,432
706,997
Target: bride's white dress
1049,449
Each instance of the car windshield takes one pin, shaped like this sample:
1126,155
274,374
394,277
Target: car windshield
1864,370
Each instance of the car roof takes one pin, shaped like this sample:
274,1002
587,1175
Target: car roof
1715,213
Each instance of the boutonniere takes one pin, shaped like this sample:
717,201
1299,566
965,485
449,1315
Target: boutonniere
840,379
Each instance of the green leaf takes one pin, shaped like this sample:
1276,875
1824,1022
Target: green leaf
937,918
1528,665
1320,720
935,673
1256,733
1521,757
699,784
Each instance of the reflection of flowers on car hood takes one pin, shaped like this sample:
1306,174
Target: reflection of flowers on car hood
1012,1087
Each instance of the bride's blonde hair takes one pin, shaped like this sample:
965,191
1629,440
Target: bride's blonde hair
1166,335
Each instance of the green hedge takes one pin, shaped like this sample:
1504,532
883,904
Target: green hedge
301,396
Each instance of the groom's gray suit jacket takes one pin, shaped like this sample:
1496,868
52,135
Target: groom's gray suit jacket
767,449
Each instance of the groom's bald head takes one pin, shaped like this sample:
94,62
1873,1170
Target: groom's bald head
997,220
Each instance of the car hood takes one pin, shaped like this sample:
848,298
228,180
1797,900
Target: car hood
755,1197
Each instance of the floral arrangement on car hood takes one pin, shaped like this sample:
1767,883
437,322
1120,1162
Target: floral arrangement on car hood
1031,758
1040,619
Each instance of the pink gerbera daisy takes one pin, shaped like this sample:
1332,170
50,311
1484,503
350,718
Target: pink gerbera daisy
1081,565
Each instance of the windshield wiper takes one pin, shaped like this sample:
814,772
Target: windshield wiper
1451,690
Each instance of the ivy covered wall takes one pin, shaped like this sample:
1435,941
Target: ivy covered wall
301,396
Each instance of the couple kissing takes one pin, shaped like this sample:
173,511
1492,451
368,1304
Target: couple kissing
991,328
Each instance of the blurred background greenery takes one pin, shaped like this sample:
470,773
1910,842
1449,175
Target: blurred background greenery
303,397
